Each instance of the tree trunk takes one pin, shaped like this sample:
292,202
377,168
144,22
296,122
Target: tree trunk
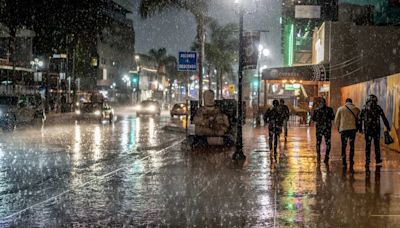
209,77
201,40
221,77
218,83
170,92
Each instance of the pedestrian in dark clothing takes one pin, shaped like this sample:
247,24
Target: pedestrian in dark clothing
274,117
286,115
346,122
323,117
370,117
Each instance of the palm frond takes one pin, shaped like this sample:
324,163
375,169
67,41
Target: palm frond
148,7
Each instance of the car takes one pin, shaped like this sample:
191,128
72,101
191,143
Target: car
148,107
179,110
20,110
94,111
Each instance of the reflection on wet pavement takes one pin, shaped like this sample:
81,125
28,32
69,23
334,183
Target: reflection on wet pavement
134,174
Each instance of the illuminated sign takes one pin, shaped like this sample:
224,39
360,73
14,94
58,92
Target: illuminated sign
292,87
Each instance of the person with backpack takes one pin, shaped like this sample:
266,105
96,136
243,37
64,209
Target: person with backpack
286,115
323,117
274,118
347,121
370,118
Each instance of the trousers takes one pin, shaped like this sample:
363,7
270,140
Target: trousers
368,142
327,135
348,135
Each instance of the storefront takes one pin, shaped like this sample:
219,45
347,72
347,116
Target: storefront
299,86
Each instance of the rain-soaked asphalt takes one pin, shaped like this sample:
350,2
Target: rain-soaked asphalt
133,173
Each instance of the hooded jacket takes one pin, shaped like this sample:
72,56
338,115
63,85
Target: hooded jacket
344,119
370,116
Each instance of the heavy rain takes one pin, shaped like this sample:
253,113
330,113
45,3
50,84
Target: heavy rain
206,113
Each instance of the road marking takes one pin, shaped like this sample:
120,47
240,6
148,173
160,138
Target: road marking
87,183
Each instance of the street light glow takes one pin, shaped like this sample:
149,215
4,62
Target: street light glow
266,52
260,48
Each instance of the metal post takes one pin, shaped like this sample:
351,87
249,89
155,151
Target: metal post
239,155
187,105
258,90
265,93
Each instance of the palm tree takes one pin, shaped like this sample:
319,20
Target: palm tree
198,8
221,51
161,59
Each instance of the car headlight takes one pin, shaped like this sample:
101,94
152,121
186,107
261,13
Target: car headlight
97,113
77,112
152,108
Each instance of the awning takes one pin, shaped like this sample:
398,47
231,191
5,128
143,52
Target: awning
6,67
305,73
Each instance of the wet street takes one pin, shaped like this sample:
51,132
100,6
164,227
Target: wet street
135,173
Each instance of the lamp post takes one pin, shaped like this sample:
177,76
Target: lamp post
261,52
36,63
239,155
138,69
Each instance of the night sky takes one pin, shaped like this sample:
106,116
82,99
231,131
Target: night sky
176,29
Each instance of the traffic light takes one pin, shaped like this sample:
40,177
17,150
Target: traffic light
135,79
255,83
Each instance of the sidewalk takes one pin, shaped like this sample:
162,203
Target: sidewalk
315,195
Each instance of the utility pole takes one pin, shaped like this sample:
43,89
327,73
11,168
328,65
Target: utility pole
239,155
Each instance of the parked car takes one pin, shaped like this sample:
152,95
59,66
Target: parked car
148,107
179,110
94,111
20,110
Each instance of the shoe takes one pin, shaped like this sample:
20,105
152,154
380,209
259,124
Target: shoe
379,163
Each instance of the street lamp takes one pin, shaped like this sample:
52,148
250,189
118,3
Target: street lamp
239,155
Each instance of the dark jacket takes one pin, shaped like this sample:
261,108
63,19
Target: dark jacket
370,117
323,117
274,117
286,112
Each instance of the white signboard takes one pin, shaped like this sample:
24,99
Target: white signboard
307,11
144,83
37,76
319,49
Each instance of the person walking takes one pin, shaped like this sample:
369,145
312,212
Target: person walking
323,117
286,115
274,117
370,121
346,121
